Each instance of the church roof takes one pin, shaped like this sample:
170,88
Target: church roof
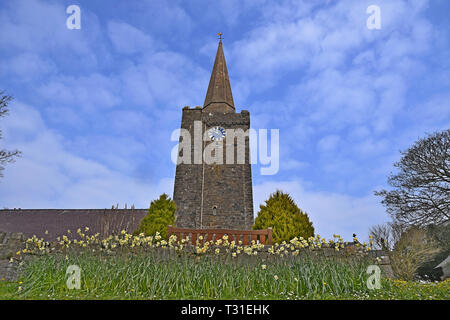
57,221
219,96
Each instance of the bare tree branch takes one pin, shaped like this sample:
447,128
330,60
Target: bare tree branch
5,155
421,188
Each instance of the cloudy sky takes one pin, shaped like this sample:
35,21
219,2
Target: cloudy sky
94,108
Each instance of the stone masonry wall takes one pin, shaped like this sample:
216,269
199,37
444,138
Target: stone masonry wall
10,243
188,179
199,188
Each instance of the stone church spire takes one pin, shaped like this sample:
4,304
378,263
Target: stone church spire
216,191
219,97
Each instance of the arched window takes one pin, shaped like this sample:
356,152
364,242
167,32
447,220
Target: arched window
214,210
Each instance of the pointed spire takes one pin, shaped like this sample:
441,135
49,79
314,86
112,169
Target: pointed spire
218,96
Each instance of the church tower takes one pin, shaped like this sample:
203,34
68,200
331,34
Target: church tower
213,185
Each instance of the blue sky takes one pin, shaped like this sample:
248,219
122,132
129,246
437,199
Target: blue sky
94,108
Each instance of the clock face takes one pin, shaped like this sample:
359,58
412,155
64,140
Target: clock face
216,133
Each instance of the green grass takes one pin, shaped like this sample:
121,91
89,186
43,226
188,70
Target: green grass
150,276
8,290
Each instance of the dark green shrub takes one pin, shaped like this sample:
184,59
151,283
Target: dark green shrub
286,219
160,215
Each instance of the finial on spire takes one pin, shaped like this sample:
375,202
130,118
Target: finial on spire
219,96
219,36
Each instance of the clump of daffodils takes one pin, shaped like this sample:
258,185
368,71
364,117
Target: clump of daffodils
83,239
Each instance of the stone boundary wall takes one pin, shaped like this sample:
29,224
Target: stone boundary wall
10,243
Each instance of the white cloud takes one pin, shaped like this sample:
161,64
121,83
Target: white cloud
85,93
26,66
311,69
328,143
128,39
435,110
48,176
301,37
331,213
349,88
166,17
40,27
169,78
291,164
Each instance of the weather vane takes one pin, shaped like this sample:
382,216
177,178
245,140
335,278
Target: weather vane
219,35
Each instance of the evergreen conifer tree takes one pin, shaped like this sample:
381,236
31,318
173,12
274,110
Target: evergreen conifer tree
160,215
286,219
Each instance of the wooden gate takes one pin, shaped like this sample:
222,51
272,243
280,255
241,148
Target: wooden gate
246,236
